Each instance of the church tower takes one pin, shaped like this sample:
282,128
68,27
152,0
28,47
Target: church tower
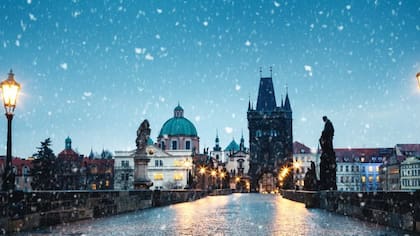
270,136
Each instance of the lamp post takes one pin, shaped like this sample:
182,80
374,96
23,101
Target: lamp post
202,172
213,174
222,177
418,78
10,89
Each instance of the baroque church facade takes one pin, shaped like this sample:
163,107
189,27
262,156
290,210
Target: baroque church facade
171,157
270,137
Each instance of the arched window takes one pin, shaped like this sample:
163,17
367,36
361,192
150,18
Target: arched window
174,145
188,145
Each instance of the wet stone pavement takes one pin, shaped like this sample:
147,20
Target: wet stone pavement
236,214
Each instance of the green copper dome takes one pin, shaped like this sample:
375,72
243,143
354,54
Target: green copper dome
233,146
178,125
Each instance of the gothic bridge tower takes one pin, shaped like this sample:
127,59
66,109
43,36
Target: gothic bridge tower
270,137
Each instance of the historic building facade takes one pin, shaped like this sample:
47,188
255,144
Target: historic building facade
237,165
171,158
302,158
410,174
21,168
76,172
390,171
270,137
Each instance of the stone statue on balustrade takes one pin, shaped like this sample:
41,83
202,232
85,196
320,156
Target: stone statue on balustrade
328,162
310,180
141,179
143,134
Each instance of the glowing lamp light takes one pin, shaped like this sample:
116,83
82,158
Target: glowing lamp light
296,165
10,90
202,170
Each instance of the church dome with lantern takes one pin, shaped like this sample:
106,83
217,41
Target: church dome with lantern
178,133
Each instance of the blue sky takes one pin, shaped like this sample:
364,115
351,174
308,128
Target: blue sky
93,70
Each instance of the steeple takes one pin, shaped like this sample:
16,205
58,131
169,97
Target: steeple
287,106
217,145
91,154
242,143
68,143
281,102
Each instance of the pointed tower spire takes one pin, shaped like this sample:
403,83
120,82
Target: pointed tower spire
260,72
249,103
217,142
287,103
281,105
271,71
242,143
91,154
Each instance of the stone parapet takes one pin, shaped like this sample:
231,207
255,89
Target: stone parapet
23,211
396,209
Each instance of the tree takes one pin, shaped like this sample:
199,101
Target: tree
44,168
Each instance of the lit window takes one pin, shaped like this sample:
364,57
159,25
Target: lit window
178,176
178,163
370,168
158,176
363,179
370,179
377,168
377,179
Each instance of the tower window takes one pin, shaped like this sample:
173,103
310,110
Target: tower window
188,145
174,145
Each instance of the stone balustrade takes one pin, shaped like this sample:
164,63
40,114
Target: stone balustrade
399,209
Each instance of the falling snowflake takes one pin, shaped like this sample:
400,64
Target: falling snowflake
87,94
276,4
247,43
228,130
32,17
205,23
140,50
149,57
237,87
64,66
159,11
308,69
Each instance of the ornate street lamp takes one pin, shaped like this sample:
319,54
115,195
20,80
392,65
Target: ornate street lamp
418,78
10,89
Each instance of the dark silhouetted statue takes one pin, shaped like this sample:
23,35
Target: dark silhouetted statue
310,181
143,134
327,171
